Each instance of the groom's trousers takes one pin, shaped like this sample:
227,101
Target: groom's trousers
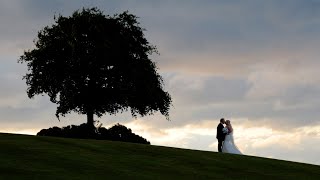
220,145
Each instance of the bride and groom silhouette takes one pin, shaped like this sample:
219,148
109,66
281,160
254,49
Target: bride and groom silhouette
225,138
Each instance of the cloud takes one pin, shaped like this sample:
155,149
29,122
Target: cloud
277,78
294,145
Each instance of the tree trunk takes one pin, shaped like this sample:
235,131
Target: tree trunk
90,124
90,121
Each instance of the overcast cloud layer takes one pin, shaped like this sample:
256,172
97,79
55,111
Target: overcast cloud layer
254,62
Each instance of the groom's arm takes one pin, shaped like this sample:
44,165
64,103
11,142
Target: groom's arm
220,131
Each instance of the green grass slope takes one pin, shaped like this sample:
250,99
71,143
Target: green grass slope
32,157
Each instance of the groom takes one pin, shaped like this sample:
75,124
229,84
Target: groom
220,134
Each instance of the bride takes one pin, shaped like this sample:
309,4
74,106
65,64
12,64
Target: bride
228,145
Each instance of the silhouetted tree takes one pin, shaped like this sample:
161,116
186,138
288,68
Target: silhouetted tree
117,132
93,64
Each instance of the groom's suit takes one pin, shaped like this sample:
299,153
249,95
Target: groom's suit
220,136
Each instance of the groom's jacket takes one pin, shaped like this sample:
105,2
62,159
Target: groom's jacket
220,134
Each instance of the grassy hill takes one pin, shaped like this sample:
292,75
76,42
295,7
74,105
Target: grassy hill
32,157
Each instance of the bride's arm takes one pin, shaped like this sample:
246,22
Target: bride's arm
230,128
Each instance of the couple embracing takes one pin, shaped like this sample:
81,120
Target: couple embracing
225,138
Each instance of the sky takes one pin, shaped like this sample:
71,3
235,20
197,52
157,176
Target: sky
251,61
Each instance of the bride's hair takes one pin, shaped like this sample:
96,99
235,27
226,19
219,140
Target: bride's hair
228,122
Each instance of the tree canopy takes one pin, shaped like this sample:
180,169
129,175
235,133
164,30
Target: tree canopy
94,64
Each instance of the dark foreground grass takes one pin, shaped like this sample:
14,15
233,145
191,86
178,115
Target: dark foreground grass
32,157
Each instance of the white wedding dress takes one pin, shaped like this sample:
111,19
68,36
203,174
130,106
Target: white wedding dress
229,146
